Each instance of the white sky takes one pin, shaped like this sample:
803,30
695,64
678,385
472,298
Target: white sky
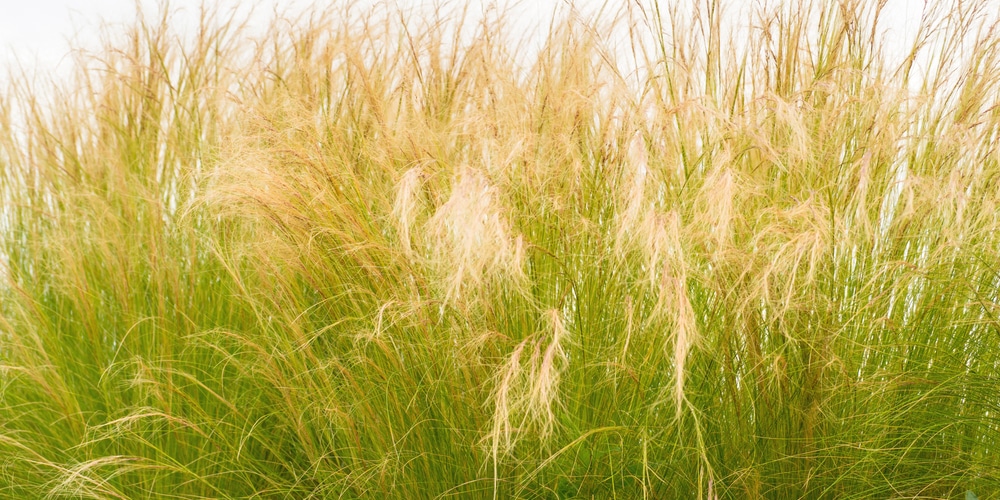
37,34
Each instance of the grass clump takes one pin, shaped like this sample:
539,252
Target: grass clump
379,255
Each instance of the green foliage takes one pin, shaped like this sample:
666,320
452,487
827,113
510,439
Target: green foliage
377,256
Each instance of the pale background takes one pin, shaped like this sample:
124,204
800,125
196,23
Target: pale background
36,34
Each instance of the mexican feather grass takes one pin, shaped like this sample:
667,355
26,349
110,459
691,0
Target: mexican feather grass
374,254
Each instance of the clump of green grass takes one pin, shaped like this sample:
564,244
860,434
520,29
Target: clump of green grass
379,256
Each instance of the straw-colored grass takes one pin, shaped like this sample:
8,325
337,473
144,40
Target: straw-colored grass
373,256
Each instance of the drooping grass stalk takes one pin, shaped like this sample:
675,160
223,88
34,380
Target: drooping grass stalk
376,255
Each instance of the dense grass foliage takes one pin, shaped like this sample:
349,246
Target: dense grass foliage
371,255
